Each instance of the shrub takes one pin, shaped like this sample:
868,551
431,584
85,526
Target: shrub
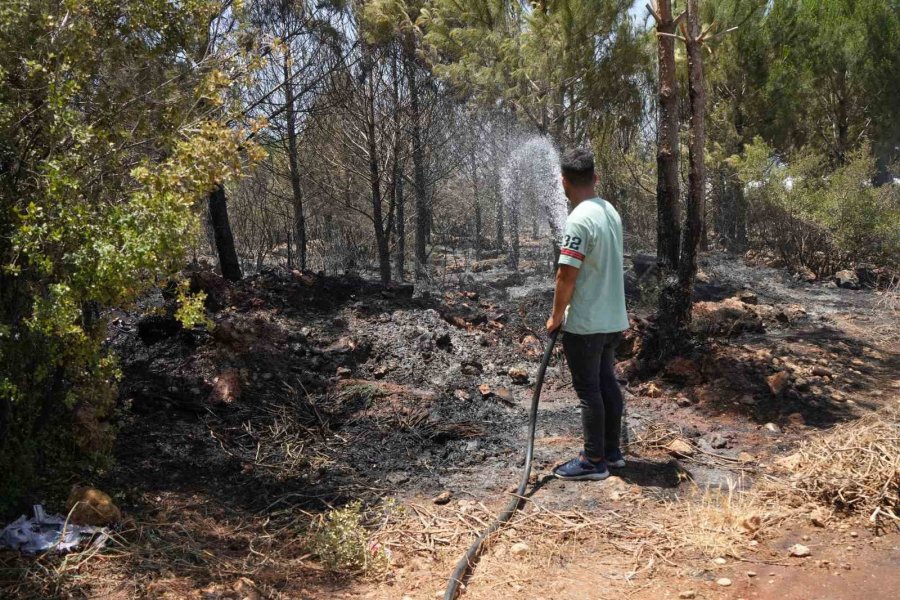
340,540
106,146
817,218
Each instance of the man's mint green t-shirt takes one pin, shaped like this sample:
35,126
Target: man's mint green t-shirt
593,244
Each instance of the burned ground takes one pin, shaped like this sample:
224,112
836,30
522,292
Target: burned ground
310,392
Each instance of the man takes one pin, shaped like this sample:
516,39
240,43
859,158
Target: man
589,305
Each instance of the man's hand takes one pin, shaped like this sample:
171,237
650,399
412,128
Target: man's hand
555,322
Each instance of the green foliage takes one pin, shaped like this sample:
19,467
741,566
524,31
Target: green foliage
822,74
107,142
566,66
343,544
819,218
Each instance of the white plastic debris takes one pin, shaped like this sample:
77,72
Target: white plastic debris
51,533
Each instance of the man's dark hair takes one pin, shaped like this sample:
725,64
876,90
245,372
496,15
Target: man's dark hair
578,166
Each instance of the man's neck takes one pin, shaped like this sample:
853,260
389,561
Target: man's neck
579,196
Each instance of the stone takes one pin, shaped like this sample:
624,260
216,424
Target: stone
847,279
821,371
89,506
799,550
679,447
772,428
519,549
747,297
751,573
443,497
652,391
518,375
687,594
461,395
818,517
226,388
342,345
723,581
720,561
778,382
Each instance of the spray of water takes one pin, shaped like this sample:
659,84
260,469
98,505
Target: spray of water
531,178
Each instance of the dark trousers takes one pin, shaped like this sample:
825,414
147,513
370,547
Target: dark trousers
592,361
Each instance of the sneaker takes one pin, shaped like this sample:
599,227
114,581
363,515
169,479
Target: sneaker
581,468
615,460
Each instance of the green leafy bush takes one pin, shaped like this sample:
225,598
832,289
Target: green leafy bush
817,218
343,544
108,141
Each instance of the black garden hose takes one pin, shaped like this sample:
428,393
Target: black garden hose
467,562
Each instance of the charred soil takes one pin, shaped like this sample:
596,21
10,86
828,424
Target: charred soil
311,392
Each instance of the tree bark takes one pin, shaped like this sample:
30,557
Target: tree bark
293,163
218,217
679,310
423,225
513,255
476,203
675,301
501,233
667,176
400,225
381,240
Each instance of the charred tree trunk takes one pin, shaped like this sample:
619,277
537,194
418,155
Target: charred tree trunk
221,226
513,256
293,163
674,315
675,302
668,216
400,225
423,225
478,234
476,203
381,238
501,230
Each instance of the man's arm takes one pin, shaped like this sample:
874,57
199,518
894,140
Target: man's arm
565,287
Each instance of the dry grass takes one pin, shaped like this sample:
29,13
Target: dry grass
854,468
718,522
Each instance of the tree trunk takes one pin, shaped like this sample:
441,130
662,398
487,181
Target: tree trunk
513,256
501,233
667,184
476,203
679,310
381,240
422,214
293,163
221,226
841,119
400,225
673,318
